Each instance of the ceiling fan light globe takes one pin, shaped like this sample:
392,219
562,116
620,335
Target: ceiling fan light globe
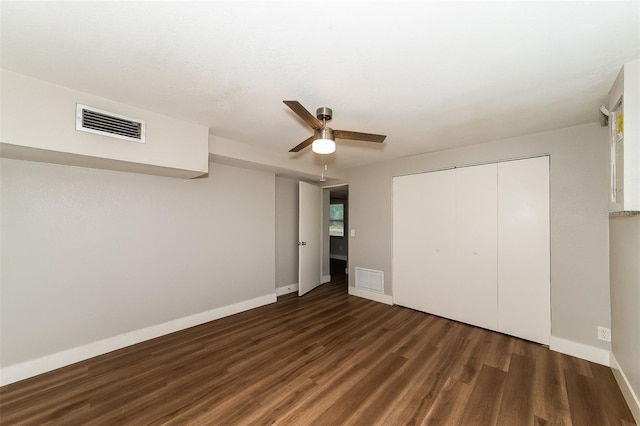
323,146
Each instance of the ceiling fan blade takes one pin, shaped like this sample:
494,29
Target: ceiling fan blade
302,144
304,114
358,136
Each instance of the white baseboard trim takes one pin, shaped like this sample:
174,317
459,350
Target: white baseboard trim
377,297
627,390
338,256
24,370
325,279
291,288
580,350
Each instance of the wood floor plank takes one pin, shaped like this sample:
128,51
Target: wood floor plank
584,403
499,350
342,408
517,402
472,351
449,405
316,403
481,410
383,397
325,358
611,394
549,388
419,395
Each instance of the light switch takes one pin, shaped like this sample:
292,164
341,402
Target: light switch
353,232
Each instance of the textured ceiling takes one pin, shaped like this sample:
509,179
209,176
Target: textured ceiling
430,75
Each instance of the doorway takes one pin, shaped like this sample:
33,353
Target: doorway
336,240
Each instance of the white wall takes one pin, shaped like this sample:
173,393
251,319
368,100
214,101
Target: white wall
579,220
286,232
39,117
625,303
90,254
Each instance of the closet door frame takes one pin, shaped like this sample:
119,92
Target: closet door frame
521,296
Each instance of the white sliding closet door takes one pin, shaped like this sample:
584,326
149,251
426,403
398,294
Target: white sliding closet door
472,244
523,247
424,241
475,270
407,241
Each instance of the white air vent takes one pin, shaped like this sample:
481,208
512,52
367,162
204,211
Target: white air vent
370,279
93,120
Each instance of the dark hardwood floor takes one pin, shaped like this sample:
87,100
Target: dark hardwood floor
326,358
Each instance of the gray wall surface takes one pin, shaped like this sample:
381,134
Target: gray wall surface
89,254
625,296
579,218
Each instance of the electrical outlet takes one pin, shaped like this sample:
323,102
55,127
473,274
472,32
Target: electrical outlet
604,334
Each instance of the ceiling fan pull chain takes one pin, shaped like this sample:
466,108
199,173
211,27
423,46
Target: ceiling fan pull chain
324,166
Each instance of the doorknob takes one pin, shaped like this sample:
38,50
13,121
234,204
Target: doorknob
302,243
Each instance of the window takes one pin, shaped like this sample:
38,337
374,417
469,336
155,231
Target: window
336,220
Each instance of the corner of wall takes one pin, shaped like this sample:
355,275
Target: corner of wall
627,390
580,350
376,297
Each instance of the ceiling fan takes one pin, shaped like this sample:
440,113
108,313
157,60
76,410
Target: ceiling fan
323,139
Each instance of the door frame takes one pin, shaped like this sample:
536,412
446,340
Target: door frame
326,239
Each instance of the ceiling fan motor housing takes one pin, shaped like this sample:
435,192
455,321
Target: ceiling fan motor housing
324,133
324,113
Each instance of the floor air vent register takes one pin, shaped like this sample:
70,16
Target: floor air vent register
370,279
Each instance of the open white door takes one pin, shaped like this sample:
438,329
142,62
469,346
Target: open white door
309,238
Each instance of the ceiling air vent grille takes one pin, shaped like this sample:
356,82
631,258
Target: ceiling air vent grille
93,120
